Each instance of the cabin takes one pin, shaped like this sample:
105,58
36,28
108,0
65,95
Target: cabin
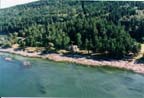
73,48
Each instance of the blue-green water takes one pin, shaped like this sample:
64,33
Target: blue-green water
47,78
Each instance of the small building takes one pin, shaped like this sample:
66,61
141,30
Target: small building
73,48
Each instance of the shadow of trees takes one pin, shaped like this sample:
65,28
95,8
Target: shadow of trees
140,61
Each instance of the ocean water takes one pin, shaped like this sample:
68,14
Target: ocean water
50,79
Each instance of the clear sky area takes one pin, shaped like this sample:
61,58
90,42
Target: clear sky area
9,3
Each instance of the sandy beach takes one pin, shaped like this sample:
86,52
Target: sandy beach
139,68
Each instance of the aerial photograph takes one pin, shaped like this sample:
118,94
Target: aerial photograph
72,48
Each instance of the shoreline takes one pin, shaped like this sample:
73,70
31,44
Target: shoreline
121,64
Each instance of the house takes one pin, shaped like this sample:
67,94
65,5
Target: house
73,48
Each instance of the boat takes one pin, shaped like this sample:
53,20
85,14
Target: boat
26,64
8,59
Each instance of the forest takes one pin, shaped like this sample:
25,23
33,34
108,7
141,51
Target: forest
116,28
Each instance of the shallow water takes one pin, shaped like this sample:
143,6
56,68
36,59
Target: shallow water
47,78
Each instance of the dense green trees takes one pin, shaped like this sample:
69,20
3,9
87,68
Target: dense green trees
78,39
92,34
106,27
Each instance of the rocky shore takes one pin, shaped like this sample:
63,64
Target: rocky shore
128,65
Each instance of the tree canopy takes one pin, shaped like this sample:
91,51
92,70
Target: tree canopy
113,27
